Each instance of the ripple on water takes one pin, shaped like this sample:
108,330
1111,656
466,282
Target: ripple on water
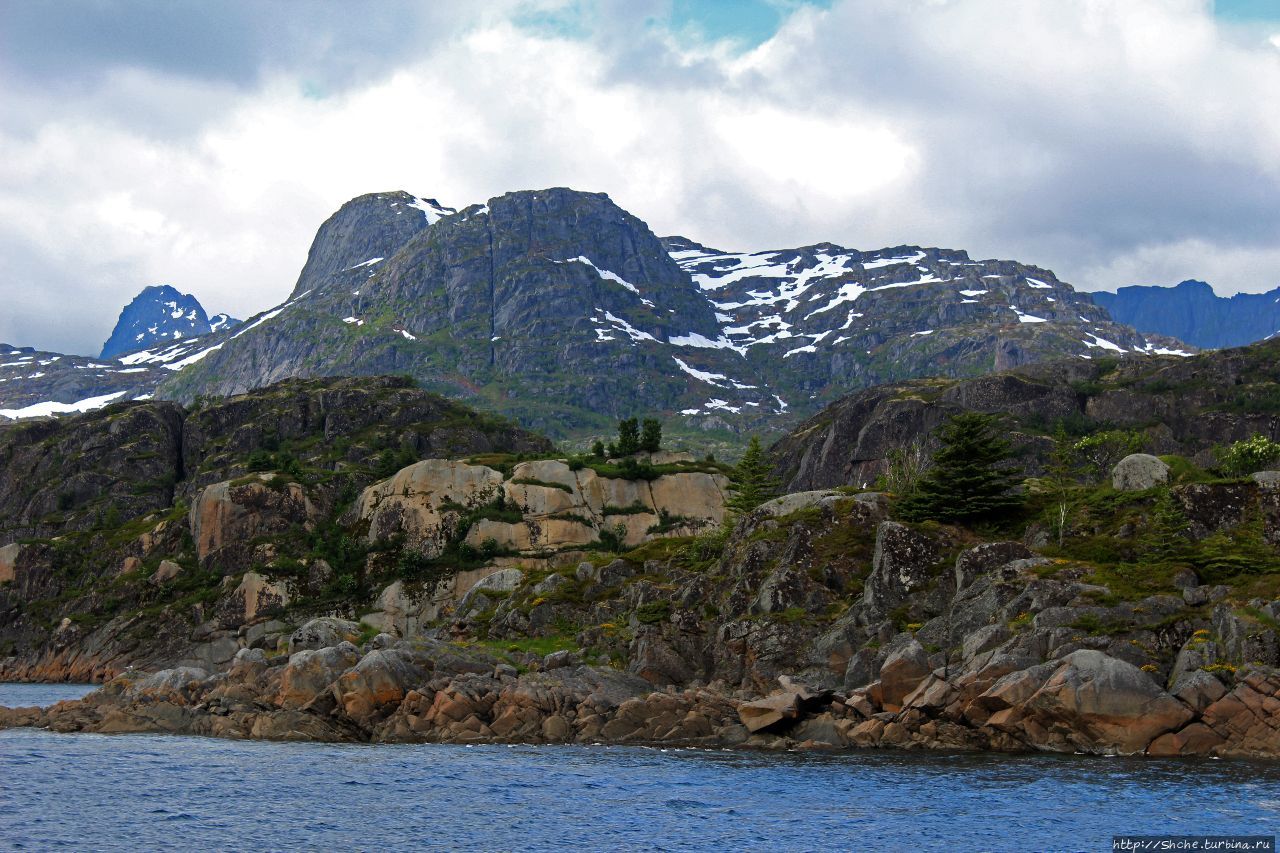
232,795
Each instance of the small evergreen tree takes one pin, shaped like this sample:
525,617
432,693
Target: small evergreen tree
651,436
597,450
753,480
969,480
1167,541
628,437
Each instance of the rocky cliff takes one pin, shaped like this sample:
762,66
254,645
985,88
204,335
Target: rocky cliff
1180,405
1192,312
108,516
307,562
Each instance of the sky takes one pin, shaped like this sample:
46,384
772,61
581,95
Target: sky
201,144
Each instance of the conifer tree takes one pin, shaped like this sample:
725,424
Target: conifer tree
651,436
753,480
1168,537
628,437
970,479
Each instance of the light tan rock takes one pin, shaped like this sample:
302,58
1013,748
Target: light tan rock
634,526
772,709
515,537
413,501
694,494
165,572
541,500
234,512
599,492
547,470
259,595
8,561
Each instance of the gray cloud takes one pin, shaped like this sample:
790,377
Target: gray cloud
1114,141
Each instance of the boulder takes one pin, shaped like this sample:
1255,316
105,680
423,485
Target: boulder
787,504
769,711
901,673
165,572
1107,704
1139,471
902,564
1266,479
378,682
323,632
983,558
310,673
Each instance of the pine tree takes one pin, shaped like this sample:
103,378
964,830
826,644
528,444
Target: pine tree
628,437
597,450
969,480
753,480
651,436
1168,538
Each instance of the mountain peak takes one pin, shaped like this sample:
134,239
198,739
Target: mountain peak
364,231
160,313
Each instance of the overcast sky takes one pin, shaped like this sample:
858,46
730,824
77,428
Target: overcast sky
200,144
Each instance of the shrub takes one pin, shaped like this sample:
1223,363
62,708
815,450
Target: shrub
1245,457
654,612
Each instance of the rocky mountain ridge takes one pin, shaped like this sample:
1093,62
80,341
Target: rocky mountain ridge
560,309
1179,405
1193,312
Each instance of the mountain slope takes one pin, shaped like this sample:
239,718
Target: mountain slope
160,314
1192,312
1183,406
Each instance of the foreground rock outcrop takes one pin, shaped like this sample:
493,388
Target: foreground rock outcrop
427,691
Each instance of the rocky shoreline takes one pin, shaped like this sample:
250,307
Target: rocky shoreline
422,691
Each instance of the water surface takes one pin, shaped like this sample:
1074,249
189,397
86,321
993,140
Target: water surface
98,792
13,695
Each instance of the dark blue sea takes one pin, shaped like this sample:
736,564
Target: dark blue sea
126,792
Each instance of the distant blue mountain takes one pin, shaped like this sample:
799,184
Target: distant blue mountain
1192,312
160,314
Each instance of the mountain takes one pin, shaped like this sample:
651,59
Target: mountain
565,312
1192,312
562,310
159,314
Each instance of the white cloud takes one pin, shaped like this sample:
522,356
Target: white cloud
1115,141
